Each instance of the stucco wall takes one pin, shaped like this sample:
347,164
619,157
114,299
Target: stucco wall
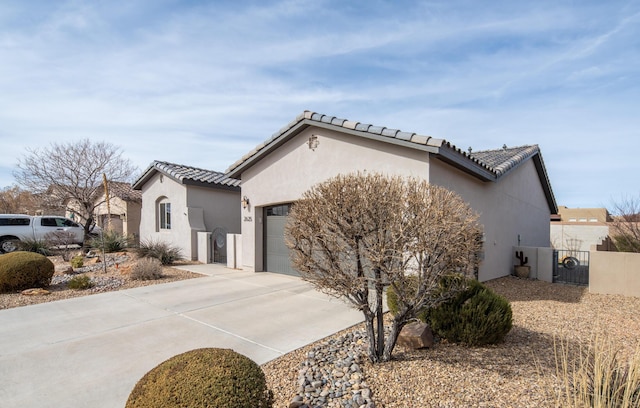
513,211
180,232
221,209
131,209
193,209
615,273
577,236
293,168
132,222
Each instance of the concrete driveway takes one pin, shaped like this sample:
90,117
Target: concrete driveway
90,351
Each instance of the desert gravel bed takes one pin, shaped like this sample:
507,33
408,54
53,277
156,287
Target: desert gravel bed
115,278
517,373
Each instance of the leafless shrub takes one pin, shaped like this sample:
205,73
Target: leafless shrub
147,269
625,228
63,241
353,235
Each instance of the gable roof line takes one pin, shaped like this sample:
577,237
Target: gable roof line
487,165
123,191
442,148
188,175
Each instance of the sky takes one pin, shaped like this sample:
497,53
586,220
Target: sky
201,83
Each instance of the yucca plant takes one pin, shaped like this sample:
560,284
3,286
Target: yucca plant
35,245
162,251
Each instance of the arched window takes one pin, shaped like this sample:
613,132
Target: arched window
163,209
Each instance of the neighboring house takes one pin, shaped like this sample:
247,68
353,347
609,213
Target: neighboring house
508,187
581,229
180,201
122,215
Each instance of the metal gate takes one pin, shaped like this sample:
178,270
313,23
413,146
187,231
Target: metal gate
571,267
219,243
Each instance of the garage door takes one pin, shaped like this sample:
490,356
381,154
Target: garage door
276,253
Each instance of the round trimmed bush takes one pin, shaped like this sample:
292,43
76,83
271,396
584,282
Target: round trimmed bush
476,317
24,270
207,377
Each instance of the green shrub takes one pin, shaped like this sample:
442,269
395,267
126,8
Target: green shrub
23,270
77,261
208,377
147,269
34,245
112,241
475,317
392,297
164,252
80,282
411,285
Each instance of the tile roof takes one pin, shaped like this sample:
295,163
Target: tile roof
486,166
124,191
502,160
188,175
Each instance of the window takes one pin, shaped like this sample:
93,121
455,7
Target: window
279,210
165,215
15,221
48,222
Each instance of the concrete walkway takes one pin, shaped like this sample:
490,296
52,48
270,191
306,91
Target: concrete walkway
91,351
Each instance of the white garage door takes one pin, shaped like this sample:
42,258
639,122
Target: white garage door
276,253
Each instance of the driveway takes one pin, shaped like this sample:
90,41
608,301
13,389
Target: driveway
91,351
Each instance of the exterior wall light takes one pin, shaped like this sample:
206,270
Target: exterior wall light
313,142
245,202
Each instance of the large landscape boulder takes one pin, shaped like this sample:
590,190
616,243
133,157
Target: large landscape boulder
416,336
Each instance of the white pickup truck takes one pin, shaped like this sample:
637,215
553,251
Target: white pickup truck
17,227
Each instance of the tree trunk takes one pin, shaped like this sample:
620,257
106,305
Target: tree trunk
379,314
396,327
368,320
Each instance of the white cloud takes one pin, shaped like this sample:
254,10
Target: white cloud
221,77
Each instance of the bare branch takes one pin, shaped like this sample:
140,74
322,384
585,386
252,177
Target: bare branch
72,173
354,235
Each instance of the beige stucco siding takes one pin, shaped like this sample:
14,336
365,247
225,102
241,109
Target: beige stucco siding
290,170
129,211
514,207
578,236
180,230
220,209
193,209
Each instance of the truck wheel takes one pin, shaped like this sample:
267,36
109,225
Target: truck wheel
8,245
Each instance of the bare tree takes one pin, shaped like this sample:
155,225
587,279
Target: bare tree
14,200
73,172
354,235
625,228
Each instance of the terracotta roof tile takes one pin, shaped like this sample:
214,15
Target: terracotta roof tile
124,191
189,175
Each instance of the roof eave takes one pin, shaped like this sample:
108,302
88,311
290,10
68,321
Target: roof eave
546,183
303,124
218,186
464,163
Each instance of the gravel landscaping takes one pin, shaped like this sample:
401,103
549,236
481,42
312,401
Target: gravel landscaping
116,277
517,373
334,372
